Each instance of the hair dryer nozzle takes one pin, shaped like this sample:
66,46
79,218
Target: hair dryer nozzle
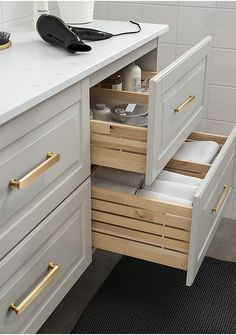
54,30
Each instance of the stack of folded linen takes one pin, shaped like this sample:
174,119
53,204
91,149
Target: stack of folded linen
198,151
119,176
113,186
172,187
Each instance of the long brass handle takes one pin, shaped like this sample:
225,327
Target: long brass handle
219,203
54,269
51,159
185,103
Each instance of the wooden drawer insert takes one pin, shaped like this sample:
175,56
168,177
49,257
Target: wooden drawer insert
176,101
118,145
162,232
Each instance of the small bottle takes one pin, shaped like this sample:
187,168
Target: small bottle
114,82
131,77
101,112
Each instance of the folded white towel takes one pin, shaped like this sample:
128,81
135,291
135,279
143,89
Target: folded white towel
177,190
179,178
124,177
197,151
110,185
164,197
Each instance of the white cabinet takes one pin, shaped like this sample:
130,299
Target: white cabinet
45,207
176,101
165,233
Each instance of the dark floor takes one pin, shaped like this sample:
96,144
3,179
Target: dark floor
65,316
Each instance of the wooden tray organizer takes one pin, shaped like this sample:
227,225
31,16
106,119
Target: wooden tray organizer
117,145
147,228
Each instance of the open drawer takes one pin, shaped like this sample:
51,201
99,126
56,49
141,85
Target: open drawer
167,233
176,100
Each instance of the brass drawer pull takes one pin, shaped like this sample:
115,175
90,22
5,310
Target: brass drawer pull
221,199
53,271
184,104
51,159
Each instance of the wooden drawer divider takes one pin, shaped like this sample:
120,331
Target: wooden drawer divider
118,146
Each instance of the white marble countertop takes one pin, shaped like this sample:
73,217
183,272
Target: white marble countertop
32,70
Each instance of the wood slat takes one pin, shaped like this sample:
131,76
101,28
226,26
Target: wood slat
139,217
140,250
178,234
139,236
199,136
187,173
147,74
108,96
118,159
188,166
130,132
118,143
141,202
100,127
118,130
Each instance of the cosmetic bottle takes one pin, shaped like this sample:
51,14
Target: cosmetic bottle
131,77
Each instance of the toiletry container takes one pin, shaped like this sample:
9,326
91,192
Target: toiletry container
101,112
131,77
113,82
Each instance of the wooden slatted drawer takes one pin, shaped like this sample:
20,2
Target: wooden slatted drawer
167,233
176,101
29,281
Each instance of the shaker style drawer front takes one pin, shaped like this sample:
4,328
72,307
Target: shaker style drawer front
37,272
209,203
163,232
32,165
175,105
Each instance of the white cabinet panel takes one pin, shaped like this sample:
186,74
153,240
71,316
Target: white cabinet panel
186,78
165,14
234,206
225,28
226,4
210,4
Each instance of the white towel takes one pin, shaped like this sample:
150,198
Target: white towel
124,177
164,197
110,185
197,151
177,190
179,178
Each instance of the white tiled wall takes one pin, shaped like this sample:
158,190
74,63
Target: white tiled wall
189,22
14,13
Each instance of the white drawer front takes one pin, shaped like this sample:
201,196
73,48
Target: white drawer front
209,203
64,239
170,90
64,135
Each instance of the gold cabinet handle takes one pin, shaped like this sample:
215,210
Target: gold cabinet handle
51,159
184,104
219,203
53,271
